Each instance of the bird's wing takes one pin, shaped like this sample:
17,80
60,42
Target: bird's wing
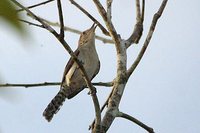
69,65
97,70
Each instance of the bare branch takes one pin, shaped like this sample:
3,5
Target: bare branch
101,9
31,23
138,12
104,31
66,46
36,5
109,25
31,85
109,10
136,121
148,38
138,29
120,81
143,10
105,84
62,34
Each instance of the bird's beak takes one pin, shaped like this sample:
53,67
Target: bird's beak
93,27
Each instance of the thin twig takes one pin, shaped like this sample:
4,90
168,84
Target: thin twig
66,46
136,121
31,85
36,5
31,23
148,38
104,31
62,33
143,10
105,84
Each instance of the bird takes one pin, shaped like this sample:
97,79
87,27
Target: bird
73,81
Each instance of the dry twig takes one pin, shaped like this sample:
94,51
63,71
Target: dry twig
104,31
136,121
36,5
105,84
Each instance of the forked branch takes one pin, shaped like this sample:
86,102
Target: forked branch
138,29
148,38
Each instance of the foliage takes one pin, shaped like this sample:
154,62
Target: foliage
9,14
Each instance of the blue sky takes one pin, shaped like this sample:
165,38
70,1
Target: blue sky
163,92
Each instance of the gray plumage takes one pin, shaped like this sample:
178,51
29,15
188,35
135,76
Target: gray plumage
73,82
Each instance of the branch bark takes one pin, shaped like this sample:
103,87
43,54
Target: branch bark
105,84
138,29
121,79
136,121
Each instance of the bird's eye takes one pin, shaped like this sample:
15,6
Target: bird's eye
84,33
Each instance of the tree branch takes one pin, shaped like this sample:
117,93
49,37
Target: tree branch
138,11
105,84
36,5
62,33
143,10
109,25
136,121
148,38
138,29
104,31
120,80
31,23
66,46
31,85
109,9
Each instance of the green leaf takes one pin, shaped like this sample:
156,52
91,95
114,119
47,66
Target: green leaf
9,14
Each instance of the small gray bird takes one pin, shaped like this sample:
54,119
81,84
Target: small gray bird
73,82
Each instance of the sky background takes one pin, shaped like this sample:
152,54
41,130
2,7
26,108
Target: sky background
163,92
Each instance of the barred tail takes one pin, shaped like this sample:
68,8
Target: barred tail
55,104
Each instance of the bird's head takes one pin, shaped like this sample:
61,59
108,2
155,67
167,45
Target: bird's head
88,36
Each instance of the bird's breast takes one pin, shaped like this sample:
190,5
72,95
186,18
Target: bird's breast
90,62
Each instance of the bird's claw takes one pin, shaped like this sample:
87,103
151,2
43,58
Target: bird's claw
93,91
